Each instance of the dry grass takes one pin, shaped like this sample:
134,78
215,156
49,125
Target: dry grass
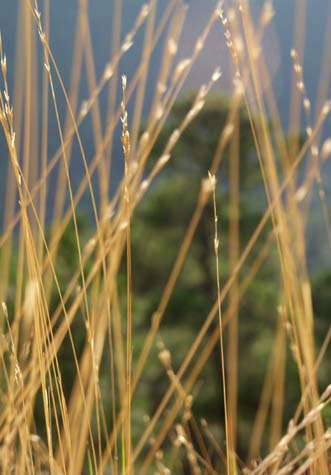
78,435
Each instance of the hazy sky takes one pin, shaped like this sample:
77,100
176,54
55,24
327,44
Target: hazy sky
278,40
277,44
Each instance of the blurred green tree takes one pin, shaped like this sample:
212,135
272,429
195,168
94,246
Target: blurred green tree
158,229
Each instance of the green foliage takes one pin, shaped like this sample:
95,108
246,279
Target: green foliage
193,153
322,305
158,230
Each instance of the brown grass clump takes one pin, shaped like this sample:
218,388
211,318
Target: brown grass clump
46,428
